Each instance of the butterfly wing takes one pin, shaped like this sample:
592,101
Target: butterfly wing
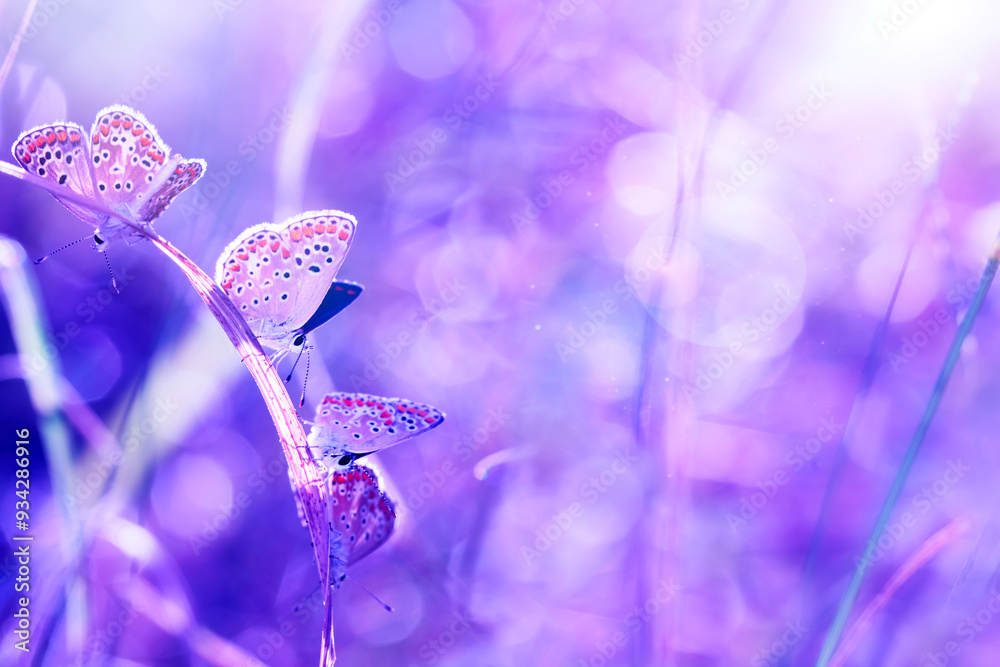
279,275
361,517
319,241
128,158
60,153
347,423
183,175
255,272
341,294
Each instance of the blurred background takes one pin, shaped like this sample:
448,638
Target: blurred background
681,275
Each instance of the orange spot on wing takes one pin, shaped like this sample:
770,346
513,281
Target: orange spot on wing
343,235
296,234
61,135
145,141
320,228
116,122
104,130
126,124
284,253
50,137
275,245
308,231
234,268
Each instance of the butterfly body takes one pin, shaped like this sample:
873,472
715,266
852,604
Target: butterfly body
350,425
122,163
281,276
361,517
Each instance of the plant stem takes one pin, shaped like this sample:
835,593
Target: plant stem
950,361
308,487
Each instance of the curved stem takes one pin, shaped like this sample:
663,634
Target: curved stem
307,485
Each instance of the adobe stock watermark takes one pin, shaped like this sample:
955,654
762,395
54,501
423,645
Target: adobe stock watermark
899,16
967,629
604,651
274,640
959,297
579,335
98,645
87,311
751,331
561,11
433,650
913,170
921,503
214,183
223,7
417,495
773,654
582,157
369,28
590,491
454,117
449,292
45,11
795,461
786,126
87,485
711,30
258,481
150,82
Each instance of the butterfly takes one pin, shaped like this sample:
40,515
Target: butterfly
281,276
122,163
361,517
348,426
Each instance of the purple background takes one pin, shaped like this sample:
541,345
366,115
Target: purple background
637,252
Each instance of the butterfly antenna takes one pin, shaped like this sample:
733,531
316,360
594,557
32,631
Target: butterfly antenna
305,382
46,256
114,283
289,378
365,589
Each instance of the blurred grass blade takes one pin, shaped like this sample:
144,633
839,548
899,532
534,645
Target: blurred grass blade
306,106
911,453
309,490
927,550
15,44
869,370
44,382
